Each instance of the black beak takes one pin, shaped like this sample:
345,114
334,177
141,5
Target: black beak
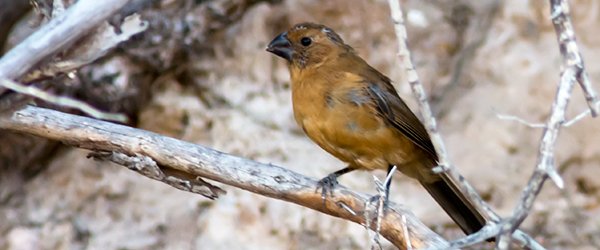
281,47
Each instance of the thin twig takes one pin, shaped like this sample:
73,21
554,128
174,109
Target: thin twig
380,201
419,92
545,166
520,120
406,235
62,101
488,231
430,124
379,211
573,71
584,81
541,125
579,117
569,50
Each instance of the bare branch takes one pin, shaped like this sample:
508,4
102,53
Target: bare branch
520,120
419,92
430,124
380,201
145,166
263,179
53,37
545,166
573,70
578,117
584,81
58,8
488,231
559,11
406,235
94,46
428,119
61,100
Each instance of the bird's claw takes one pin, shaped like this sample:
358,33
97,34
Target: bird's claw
377,199
327,185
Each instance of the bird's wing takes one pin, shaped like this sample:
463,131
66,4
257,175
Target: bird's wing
396,112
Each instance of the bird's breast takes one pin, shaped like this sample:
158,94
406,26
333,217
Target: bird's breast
342,119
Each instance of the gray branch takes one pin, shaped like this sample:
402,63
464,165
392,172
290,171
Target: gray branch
66,27
431,126
573,71
56,35
61,100
425,110
572,59
145,166
90,48
195,160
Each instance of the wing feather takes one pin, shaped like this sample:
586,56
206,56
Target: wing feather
396,112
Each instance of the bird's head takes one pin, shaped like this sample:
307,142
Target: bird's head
308,44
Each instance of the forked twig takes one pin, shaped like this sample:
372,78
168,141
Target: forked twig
573,71
430,124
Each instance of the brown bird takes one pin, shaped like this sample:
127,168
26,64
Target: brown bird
353,112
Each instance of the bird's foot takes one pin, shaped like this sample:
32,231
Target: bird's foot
380,204
327,185
380,200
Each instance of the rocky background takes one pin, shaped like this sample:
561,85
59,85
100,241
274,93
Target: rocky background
201,74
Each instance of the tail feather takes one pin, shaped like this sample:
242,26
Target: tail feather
457,206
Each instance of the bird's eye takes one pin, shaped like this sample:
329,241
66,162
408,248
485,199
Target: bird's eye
305,41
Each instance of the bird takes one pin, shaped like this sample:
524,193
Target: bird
353,112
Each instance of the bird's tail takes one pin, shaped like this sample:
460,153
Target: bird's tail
457,206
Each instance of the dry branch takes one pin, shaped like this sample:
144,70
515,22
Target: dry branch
60,100
573,71
263,179
53,37
430,124
520,120
63,26
145,166
425,110
92,47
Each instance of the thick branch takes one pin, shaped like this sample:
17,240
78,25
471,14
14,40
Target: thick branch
53,37
93,46
85,51
259,178
145,166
